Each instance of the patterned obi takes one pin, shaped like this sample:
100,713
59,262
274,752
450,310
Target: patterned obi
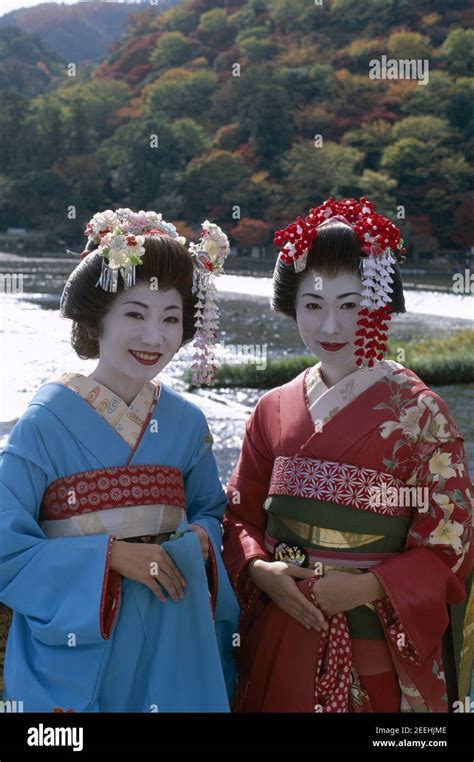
337,516
124,501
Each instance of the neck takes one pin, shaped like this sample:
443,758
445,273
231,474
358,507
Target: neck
118,383
331,374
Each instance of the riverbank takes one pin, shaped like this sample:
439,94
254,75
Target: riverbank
447,360
436,279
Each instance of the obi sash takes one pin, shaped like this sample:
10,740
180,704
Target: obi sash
123,501
341,517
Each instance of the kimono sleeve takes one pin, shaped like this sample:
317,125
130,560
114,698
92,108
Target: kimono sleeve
245,520
206,501
63,587
437,559
205,497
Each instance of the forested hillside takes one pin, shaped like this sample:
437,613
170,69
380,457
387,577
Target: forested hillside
264,105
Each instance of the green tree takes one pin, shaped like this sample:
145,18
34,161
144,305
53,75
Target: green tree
430,129
170,50
180,92
213,22
409,159
254,32
432,99
322,79
216,31
316,173
179,20
37,195
84,179
355,16
45,125
79,135
405,44
99,99
132,163
460,107
189,140
260,194
15,141
265,117
214,181
379,187
292,15
458,50
370,137
456,172
258,50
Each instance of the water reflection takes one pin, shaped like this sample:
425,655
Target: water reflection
35,344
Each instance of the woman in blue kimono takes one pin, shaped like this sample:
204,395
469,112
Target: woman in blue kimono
110,500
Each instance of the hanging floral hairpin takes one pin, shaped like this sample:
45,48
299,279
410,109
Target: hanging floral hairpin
121,252
379,240
119,238
209,255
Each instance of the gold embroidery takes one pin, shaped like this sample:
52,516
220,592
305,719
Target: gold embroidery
330,538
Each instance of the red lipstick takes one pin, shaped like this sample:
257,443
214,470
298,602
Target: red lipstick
145,358
332,347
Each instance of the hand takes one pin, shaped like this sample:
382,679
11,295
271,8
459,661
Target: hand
342,591
203,539
278,580
148,564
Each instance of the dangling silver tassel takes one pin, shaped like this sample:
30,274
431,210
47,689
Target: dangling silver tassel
196,280
108,278
128,274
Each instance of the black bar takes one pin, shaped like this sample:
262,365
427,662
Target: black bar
441,734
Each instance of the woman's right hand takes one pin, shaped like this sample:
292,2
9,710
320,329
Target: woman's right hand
278,580
149,564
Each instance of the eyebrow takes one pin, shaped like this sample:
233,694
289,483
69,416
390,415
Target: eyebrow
145,306
341,296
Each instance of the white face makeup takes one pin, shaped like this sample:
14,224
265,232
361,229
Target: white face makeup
326,314
141,333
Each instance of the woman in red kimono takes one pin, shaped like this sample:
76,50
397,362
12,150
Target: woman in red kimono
348,526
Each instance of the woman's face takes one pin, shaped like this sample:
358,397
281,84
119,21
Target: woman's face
327,313
141,333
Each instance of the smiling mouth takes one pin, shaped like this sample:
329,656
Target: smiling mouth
146,358
331,346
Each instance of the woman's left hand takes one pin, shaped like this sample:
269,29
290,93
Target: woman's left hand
203,539
342,591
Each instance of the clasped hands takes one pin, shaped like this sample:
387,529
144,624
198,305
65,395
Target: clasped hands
335,592
149,564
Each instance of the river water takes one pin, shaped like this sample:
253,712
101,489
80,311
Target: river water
34,344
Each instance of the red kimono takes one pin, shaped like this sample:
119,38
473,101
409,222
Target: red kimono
367,475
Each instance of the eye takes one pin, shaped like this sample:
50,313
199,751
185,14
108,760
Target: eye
313,305
348,306
172,319
134,315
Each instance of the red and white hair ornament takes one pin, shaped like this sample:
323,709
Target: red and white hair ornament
379,237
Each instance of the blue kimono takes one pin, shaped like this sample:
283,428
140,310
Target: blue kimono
150,656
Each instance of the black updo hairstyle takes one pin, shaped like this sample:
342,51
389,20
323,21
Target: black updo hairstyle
335,250
87,304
